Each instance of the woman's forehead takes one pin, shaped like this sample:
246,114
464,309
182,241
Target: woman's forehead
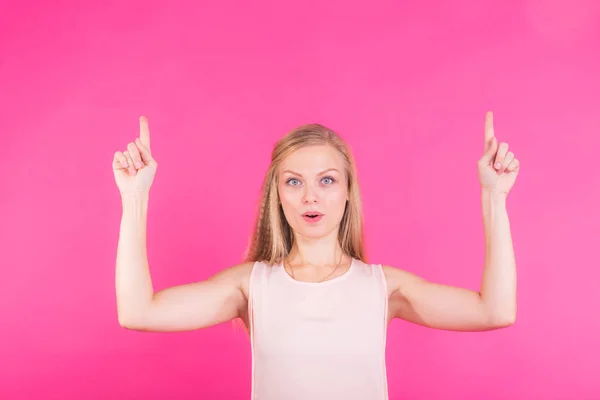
313,159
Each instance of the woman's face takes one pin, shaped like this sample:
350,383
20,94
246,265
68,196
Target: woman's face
312,181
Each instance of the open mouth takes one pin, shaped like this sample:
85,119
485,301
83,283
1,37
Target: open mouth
312,216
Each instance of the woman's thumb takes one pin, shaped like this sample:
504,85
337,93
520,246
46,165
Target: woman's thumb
144,152
490,153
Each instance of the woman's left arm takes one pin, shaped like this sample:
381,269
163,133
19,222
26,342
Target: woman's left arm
498,290
435,305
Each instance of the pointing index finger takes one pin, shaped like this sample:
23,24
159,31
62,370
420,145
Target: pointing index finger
489,130
144,132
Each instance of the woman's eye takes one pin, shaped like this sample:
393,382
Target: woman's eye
295,182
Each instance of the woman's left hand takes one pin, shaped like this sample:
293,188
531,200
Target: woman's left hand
498,167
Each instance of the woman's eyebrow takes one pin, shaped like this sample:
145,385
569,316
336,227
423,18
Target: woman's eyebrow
320,173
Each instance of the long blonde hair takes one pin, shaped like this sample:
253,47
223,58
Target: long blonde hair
273,237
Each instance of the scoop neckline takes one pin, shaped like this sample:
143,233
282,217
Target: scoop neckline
337,278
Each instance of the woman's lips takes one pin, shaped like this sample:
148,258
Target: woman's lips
312,220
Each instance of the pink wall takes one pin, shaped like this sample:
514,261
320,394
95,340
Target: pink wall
407,83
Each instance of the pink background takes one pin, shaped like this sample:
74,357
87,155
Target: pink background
406,83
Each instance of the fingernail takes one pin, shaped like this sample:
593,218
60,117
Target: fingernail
138,164
124,164
498,165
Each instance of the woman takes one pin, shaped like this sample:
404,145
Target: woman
316,311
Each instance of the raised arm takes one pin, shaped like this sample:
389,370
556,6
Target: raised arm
495,304
185,307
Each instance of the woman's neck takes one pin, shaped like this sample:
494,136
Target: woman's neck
320,252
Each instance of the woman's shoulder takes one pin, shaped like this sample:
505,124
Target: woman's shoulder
242,273
398,278
240,270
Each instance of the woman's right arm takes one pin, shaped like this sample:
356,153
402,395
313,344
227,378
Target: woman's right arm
185,307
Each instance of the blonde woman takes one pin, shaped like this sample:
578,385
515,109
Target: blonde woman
316,310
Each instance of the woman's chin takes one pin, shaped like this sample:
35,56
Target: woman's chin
314,231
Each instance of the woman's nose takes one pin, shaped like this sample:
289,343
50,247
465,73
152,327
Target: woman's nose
310,196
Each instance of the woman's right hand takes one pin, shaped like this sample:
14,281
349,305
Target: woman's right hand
134,168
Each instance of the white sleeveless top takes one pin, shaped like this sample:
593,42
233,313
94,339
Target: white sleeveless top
313,341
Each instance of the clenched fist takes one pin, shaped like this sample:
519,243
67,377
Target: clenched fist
134,168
